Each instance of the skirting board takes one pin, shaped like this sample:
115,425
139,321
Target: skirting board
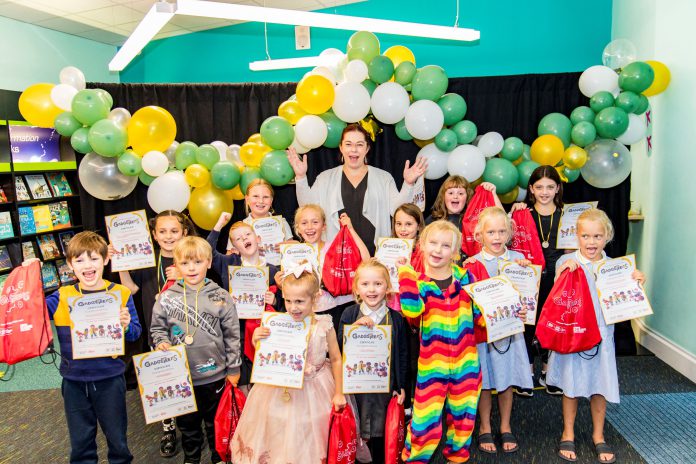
681,360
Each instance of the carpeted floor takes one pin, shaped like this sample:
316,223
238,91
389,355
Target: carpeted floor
32,425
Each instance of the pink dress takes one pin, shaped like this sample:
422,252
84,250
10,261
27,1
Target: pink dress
274,431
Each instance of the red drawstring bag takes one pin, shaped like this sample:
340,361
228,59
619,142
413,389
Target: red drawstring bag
25,328
394,432
525,239
340,263
568,323
417,259
252,324
227,416
477,271
481,200
343,437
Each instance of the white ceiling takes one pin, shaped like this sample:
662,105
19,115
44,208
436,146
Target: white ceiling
112,21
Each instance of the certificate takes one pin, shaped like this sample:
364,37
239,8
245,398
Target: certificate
620,296
270,230
526,280
96,329
248,286
280,358
500,303
567,228
366,359
389,251
164,383
292,254
130,236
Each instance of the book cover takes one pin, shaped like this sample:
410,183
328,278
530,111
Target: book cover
42,218
59,184
66,275
38,188
28,251
60,215
48,247
26,220
6,230
64,238
49,275
3,197
22,194
3,278
5,261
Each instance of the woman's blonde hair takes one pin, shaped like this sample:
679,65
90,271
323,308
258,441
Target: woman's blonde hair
439,208
255,183
301,210
371,263
595,214
443,226
192,248
488,214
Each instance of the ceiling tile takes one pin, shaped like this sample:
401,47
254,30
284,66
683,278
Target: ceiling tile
130,27
73,6
102,36
65,25
143,6
23,13
115,14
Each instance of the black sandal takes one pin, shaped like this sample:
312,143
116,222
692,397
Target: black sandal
509,438
603,448
168,445
487,439
567,445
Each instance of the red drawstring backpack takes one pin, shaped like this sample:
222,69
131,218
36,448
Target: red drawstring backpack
25,328
477,272
227,416
394,432
481,200
252,324
525,239
340,263
343,437
568,323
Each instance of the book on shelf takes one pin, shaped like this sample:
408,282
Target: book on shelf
6,229
5,261
3,197
28,251
59,184
65,274
21,192
60,215
3,278
42,218
38,188
26,220
64,238
49,275
48,247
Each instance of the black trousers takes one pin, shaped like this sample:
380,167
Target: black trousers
207,399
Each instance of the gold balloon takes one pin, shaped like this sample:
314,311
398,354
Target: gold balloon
255,138
574,157
398,54
251,154
197,175
36,105
151,128
206,205
315,94
547,150
234,193
561,174
422,143
477,182
662,78
509,197
291,110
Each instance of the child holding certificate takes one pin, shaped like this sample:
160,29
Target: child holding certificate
286,424
449,377
370,288
198,313
588,374
503,363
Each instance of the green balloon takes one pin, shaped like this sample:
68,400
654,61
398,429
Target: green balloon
582,113
185,155
583,133
66,124
453,107
248,175
129,164
80,140
277,132
643,104
446,140
362,45
636,76
145,178
429,83
627,101
380,69
571,174
89,106
106,96
404,73
276,169
466,132
108,138
527,152
512,148
611,122
335,129
225,175
601,100
501,173
556,124
369,85
524,171
401,131
207,155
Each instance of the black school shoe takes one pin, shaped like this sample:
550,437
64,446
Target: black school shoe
550,389
523,392
168,444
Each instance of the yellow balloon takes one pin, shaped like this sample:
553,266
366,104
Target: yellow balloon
255,138
509,197
291,110
235,193
251,154
398,54
206,205
547,149
36,105
574,157
315,94
561,174
422,143
662,78
197,175
151,128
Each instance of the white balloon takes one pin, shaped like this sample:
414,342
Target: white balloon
221,147
325,72
636,131
490,144
618,53
437,161
170,153
467,161
356,71
352,102
169,191
424,119
100,177
521,194
299,148
311,131
73,77
233,153
390,102
334,61
155,163
62,96
120,116
598,78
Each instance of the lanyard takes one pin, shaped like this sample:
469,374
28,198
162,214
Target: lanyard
187,315
160,273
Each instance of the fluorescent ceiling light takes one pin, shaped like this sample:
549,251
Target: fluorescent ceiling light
289,63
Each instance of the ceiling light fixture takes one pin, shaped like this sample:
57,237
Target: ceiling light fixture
289,63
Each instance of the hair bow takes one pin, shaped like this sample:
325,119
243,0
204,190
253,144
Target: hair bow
298,269
371,127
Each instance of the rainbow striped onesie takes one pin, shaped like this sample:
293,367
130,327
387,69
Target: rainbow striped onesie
449,376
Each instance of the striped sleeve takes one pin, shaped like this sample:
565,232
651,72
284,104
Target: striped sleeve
412,304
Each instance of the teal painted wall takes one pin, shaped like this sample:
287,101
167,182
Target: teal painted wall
541,36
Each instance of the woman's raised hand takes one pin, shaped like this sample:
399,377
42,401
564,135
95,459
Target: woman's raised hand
299,164
412,173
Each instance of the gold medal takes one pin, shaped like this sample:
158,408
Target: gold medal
286,395
545,244
188,339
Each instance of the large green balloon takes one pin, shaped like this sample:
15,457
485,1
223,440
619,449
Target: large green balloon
185,155
601,100
335,128
108,138
80,140
369,85
129,164
556,124
643,104
446,140
401,131
380,69
429,83
225,175
404,73
145,178
277,132
66,124
89,106
362,45
207,155
106,96
527,153
501,173
636,76
466,131
524,171
512,148
583,133
453,107
582,113
276,169
571,174
611,122
628,101
248,175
